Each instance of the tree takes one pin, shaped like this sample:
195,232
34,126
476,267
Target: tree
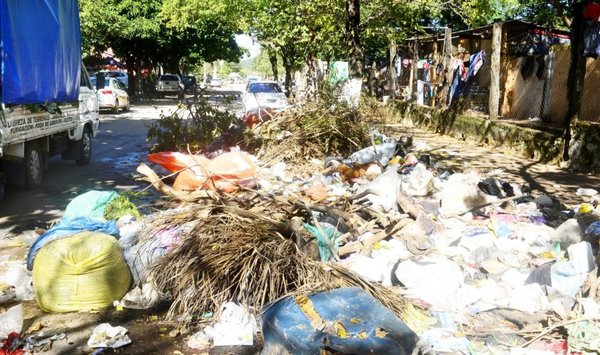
144,34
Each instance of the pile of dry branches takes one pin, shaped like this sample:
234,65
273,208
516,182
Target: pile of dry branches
233,254
315,131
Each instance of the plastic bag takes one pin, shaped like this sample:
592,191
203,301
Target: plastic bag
419,183
11,321
225,173
107,336
175,161
83,272
18,277
68,227
90,204
386,188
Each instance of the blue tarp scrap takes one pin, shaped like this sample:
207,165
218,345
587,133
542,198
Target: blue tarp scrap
68,227
41,51
347,320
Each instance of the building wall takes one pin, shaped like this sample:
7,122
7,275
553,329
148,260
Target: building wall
522,98
590,102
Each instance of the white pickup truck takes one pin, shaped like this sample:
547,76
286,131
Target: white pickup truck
31,133
48,104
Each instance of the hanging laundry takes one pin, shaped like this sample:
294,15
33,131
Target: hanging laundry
591,12
461,86
591,39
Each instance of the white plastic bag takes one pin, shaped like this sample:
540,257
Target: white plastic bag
19,277
386,188
235,327
419,182
11,321
107,336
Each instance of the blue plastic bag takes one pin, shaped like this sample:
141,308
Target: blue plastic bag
67,227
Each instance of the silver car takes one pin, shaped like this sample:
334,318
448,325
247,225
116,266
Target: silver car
264,95
170,84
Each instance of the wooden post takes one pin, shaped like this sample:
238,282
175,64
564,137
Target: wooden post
433,75
576,75
494,99
448,64
413,70
392,70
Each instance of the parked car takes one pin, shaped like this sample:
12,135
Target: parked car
117,74
264,94
216,82
190,83
170,84
112,96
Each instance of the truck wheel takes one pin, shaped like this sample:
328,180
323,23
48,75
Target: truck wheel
33,164
85,148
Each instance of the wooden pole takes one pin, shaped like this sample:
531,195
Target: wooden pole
433,76
393,50
448,64
494,99
413,70
576,75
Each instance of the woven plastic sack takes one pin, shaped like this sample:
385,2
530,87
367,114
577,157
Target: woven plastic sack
83,272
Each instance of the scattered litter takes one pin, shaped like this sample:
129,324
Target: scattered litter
11,321
235,327
107,336
586,192
199,341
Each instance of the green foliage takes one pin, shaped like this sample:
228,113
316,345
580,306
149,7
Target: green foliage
483,12
141,32
119,207
192,127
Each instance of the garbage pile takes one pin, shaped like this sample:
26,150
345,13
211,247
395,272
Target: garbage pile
381,249
495,266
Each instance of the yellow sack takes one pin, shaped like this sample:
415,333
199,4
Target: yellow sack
83,272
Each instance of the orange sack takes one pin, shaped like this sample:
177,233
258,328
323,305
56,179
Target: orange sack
175,161
226,172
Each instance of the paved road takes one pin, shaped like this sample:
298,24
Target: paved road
117,149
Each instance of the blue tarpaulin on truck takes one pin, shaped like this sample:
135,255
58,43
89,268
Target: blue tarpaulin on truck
41,51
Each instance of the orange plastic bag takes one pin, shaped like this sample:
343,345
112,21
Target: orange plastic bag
226,173
175,161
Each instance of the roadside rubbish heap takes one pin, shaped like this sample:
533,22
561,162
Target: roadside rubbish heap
380,250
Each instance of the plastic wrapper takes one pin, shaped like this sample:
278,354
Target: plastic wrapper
11,321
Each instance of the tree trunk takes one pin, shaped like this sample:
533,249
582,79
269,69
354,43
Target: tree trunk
131,89
288,55
138,77
312,80
355,51
273,60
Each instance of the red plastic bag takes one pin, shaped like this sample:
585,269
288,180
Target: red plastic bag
227,173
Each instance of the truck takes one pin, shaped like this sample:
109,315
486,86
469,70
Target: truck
48,105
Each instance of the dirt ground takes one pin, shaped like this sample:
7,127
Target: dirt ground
151,336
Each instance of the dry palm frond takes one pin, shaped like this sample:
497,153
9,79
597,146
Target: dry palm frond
244,257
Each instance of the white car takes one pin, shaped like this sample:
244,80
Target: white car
117,74
216,82
113,96
264,95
